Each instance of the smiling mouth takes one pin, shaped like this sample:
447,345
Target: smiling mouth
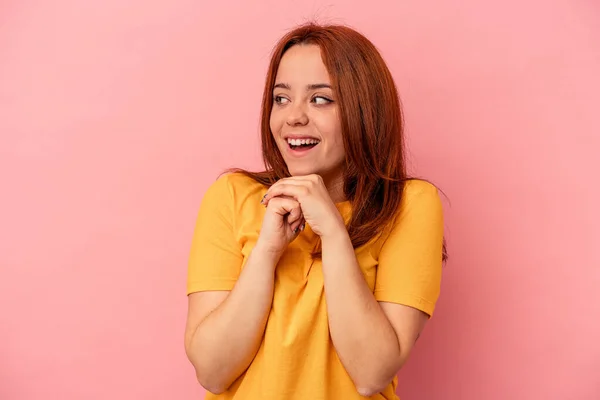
302,144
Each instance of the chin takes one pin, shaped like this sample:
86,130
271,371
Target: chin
302,171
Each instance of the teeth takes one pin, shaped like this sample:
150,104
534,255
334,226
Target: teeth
299,142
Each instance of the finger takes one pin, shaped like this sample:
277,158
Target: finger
295,215
284,206
298,226
298,182
296,191
302,178
294,180
262,201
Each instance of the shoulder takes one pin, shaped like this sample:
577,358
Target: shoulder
234,186
420,208
420,198
419,219
417,187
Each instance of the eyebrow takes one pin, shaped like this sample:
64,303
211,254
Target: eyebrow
312,86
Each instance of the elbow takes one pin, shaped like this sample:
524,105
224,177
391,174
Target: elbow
212,385
370,390
370,384
208,375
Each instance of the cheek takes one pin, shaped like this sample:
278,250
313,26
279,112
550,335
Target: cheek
333,130
275,122
337,139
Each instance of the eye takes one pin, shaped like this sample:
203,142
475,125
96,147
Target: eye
280,100
320,100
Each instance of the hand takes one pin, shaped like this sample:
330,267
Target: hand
310,192
281,224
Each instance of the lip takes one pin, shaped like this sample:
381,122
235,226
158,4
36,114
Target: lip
290,136
295,152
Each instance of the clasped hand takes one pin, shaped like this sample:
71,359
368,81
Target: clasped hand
293,201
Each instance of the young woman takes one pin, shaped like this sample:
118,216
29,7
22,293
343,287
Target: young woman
313,279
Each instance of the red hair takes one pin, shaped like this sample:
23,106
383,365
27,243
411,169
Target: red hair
371,121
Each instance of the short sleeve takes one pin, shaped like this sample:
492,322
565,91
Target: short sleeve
410,260
215,258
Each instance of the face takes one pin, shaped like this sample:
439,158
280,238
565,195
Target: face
305,116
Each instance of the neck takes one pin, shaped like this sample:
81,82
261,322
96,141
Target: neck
335,187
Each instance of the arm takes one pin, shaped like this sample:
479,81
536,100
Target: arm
224,329
371,348
228,305
373,333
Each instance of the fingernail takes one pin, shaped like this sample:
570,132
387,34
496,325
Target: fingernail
302,227
262,201
296,230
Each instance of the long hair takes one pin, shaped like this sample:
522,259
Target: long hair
371,121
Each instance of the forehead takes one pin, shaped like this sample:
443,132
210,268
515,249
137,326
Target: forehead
302,64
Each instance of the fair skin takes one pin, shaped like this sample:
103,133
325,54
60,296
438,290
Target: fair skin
373,339
305,107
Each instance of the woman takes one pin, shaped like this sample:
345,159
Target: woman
313,279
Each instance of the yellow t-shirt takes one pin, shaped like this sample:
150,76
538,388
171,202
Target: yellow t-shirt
296,359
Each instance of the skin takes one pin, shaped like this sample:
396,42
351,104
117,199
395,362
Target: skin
373,339
302,110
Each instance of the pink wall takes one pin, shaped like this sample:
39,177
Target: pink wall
109,115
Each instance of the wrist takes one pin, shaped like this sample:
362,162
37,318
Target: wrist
338,233
268,255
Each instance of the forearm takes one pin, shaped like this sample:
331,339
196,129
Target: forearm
362,335
226,341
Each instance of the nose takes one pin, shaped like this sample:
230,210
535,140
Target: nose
297,115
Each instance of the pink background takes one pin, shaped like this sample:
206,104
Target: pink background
115,117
